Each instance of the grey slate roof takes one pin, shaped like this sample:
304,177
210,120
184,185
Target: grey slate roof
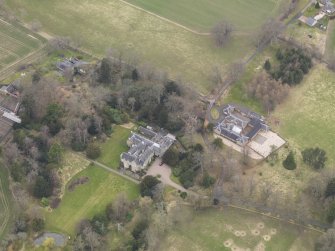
70,63
239,124
143,146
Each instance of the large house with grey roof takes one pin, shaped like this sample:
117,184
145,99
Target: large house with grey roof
239,124
144,146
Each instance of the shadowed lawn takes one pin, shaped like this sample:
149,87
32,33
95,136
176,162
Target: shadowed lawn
114,146
88,199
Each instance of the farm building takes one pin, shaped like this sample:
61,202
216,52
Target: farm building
328,7
144,145
244,130
310,21
73,65
9,106
239,124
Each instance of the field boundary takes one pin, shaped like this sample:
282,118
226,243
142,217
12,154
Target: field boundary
31,57
166,19
310,227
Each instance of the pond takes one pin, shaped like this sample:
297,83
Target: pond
60,239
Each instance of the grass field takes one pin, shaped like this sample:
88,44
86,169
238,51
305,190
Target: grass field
103,24
114,146
235,229
202,15
307,118
88,199
330,45
6,210
237,93
15,43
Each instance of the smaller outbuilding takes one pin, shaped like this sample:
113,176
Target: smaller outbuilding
310,21
74,65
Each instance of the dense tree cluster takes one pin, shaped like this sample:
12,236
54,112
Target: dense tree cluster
269,91
293,65
91,233
314,157
148,185
289,163
185,165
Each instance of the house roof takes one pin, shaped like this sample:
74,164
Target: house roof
311,21
145,145
239,124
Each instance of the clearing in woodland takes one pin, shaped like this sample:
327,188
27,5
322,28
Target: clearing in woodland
87,199
235,229
103,24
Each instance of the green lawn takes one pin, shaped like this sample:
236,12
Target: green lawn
202,15
114,146
210,229
88,199
102,24
15,43
307,118
237,93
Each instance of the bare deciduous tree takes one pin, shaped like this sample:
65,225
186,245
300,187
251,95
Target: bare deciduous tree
270,30
265,192
221,33
121,206
270,91
60,43
235,71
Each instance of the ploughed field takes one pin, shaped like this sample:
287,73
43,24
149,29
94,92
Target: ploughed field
15,43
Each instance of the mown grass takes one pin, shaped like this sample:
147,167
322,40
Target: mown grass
307,117
114,146
209,229
202,15
237,93
88,199
102,24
